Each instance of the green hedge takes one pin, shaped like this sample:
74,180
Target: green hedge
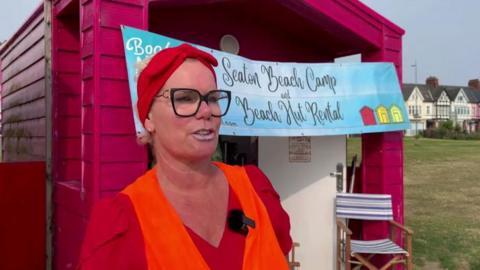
447,130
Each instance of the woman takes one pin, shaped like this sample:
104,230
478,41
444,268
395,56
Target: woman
187,212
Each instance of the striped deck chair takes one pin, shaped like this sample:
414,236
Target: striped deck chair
376,207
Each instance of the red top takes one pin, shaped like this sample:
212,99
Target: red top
114,239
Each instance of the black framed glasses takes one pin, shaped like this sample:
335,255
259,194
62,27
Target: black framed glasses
186,101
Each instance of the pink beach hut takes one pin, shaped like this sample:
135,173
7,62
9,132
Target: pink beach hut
64,82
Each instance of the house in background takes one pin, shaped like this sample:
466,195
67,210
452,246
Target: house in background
420,104
460,106
441,105
430,104
471,125
473,90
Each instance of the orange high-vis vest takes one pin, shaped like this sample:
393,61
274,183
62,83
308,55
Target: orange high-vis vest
168,245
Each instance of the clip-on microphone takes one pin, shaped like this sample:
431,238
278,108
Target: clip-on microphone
238,222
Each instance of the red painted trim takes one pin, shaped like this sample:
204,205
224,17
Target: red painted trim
23,207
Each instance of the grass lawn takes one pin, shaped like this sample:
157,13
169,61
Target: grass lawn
442,200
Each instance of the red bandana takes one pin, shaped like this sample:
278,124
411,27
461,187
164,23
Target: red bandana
160,68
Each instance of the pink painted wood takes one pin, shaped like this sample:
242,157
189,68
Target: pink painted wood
69,204
382,153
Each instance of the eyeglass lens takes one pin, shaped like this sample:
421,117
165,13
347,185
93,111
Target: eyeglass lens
186,102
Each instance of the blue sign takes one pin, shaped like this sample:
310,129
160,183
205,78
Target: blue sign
289,99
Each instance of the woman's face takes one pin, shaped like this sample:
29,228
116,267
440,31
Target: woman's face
184,138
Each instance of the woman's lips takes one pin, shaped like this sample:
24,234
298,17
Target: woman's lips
204,134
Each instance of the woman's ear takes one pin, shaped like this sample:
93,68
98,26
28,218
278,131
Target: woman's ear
149,124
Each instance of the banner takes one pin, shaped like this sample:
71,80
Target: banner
289,99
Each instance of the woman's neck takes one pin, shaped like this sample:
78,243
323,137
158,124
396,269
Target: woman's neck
184,175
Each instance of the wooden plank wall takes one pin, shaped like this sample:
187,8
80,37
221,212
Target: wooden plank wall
95,147
66,101
66,139
113,158
23,93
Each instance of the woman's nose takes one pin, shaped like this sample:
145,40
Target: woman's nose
204,111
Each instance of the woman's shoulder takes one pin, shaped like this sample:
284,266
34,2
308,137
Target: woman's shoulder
109,216
270,198
112,232
260,181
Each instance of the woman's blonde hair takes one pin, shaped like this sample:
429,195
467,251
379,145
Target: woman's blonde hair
141,65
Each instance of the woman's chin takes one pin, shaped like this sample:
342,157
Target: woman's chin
202,152
199,157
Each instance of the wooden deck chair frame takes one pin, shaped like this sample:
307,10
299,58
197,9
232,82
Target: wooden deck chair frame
344,241
292,263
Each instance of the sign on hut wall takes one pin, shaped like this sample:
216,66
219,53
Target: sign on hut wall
290,99
300,149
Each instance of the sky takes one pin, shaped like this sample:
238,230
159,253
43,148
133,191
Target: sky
442,36
13,13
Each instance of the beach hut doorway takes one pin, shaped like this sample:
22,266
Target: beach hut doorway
298,167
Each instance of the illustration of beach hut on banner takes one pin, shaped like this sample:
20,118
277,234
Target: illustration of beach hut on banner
289,117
